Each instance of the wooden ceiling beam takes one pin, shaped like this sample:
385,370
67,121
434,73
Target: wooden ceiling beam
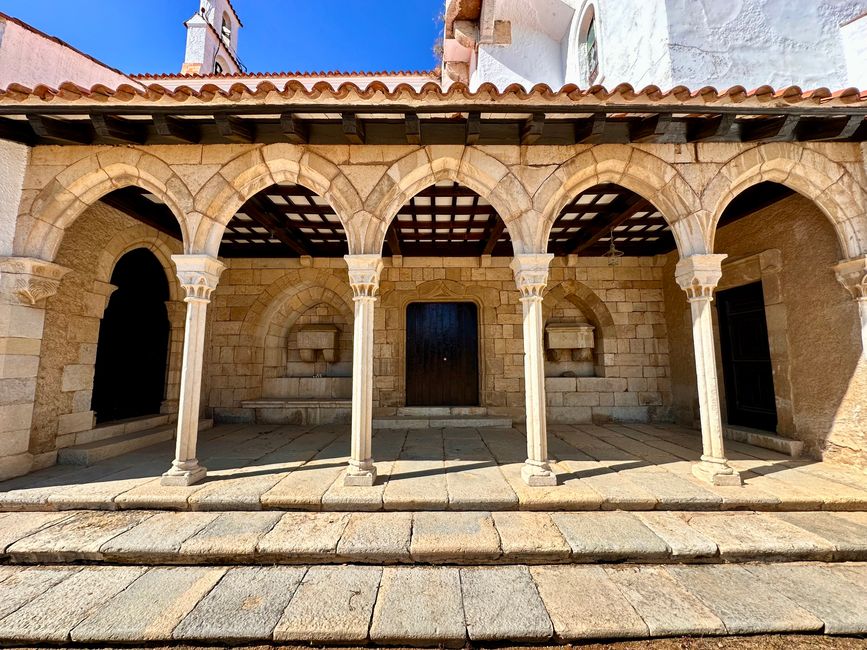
235,129
658,129
295,130
774,129
17,131
158,216
532,129
841,128
393,241
412,126
592,232
353,129
117,129
703,129
494,237
261,214
62,131
474,128
181,130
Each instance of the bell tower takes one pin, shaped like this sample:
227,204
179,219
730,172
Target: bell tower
212,39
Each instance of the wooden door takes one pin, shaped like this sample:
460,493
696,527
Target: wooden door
442,354
746,357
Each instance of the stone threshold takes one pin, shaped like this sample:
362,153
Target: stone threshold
438,538
764,439
424,606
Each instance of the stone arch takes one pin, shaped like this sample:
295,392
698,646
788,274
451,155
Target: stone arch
825,182
636,170
81,184
251,172
586,300
141,236
469,166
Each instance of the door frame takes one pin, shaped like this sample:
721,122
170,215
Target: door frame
762,267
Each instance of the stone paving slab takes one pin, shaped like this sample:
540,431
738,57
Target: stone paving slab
245,605
230,536
463,537
595,536
332,605
503,602
419,606
745,604
157,538
300,537
843,531
14,526
530,536
684,541
151,607
384,538
19,587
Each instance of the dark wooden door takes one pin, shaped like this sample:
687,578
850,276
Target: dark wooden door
746,357
442,354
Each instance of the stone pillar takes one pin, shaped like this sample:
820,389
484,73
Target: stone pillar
698,276
531,276
364,272
176,311
198,275
25,283
852,274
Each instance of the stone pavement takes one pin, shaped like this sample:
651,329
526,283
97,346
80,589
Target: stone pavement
424,605
612,467
468,538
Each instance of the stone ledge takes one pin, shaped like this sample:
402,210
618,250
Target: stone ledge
764,439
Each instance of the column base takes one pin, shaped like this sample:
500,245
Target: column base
184,474
360,476
716,472
538,475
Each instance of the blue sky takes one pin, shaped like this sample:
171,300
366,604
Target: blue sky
148,35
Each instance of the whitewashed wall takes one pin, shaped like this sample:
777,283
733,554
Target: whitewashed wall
855,48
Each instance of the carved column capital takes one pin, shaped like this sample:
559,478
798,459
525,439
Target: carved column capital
198,275
531,273
852,274
29,280
698,275
364,272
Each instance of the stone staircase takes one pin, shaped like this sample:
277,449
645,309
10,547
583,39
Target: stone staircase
116,438
426,578
424,417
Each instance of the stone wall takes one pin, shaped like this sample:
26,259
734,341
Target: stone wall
819,379
259,305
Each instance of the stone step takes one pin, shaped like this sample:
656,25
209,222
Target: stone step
426,606
119,427
441,422
764,439
93,452
440,411
438,538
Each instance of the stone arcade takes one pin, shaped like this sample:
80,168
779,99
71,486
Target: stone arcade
378,250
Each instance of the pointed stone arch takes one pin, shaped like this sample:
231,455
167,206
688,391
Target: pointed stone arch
141,236
253,171
76,188
636,170
469,166
827,183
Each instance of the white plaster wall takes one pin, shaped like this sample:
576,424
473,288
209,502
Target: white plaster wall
30,58
13,164
854,35
724,43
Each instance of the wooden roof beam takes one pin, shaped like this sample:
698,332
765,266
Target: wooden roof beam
775,129
714,128
496,233
595,232
294,129
17,131
172,127
133,204
353,129
660,129
532,129
393,240
117,129
412,126
598,130
841,128
474,128
261,214
62,131
234,128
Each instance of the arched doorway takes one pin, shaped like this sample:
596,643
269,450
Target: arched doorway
130,375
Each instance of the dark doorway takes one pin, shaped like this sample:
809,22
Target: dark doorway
442,354
130,375
746,357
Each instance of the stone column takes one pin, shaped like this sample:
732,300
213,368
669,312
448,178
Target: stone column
364,272
852,274
176,311
198,275
531,276
25,284
698,276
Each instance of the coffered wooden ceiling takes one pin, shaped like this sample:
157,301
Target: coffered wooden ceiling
443,220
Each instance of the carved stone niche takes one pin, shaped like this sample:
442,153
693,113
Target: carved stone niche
318,337
565,340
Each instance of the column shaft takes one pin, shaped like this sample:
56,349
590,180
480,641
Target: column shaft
364,272
531,276
698,275
198,275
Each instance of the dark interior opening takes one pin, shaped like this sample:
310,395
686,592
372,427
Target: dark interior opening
132,352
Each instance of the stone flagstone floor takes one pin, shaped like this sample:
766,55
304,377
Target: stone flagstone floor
285,467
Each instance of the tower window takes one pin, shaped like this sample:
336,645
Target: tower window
226,31
592,51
